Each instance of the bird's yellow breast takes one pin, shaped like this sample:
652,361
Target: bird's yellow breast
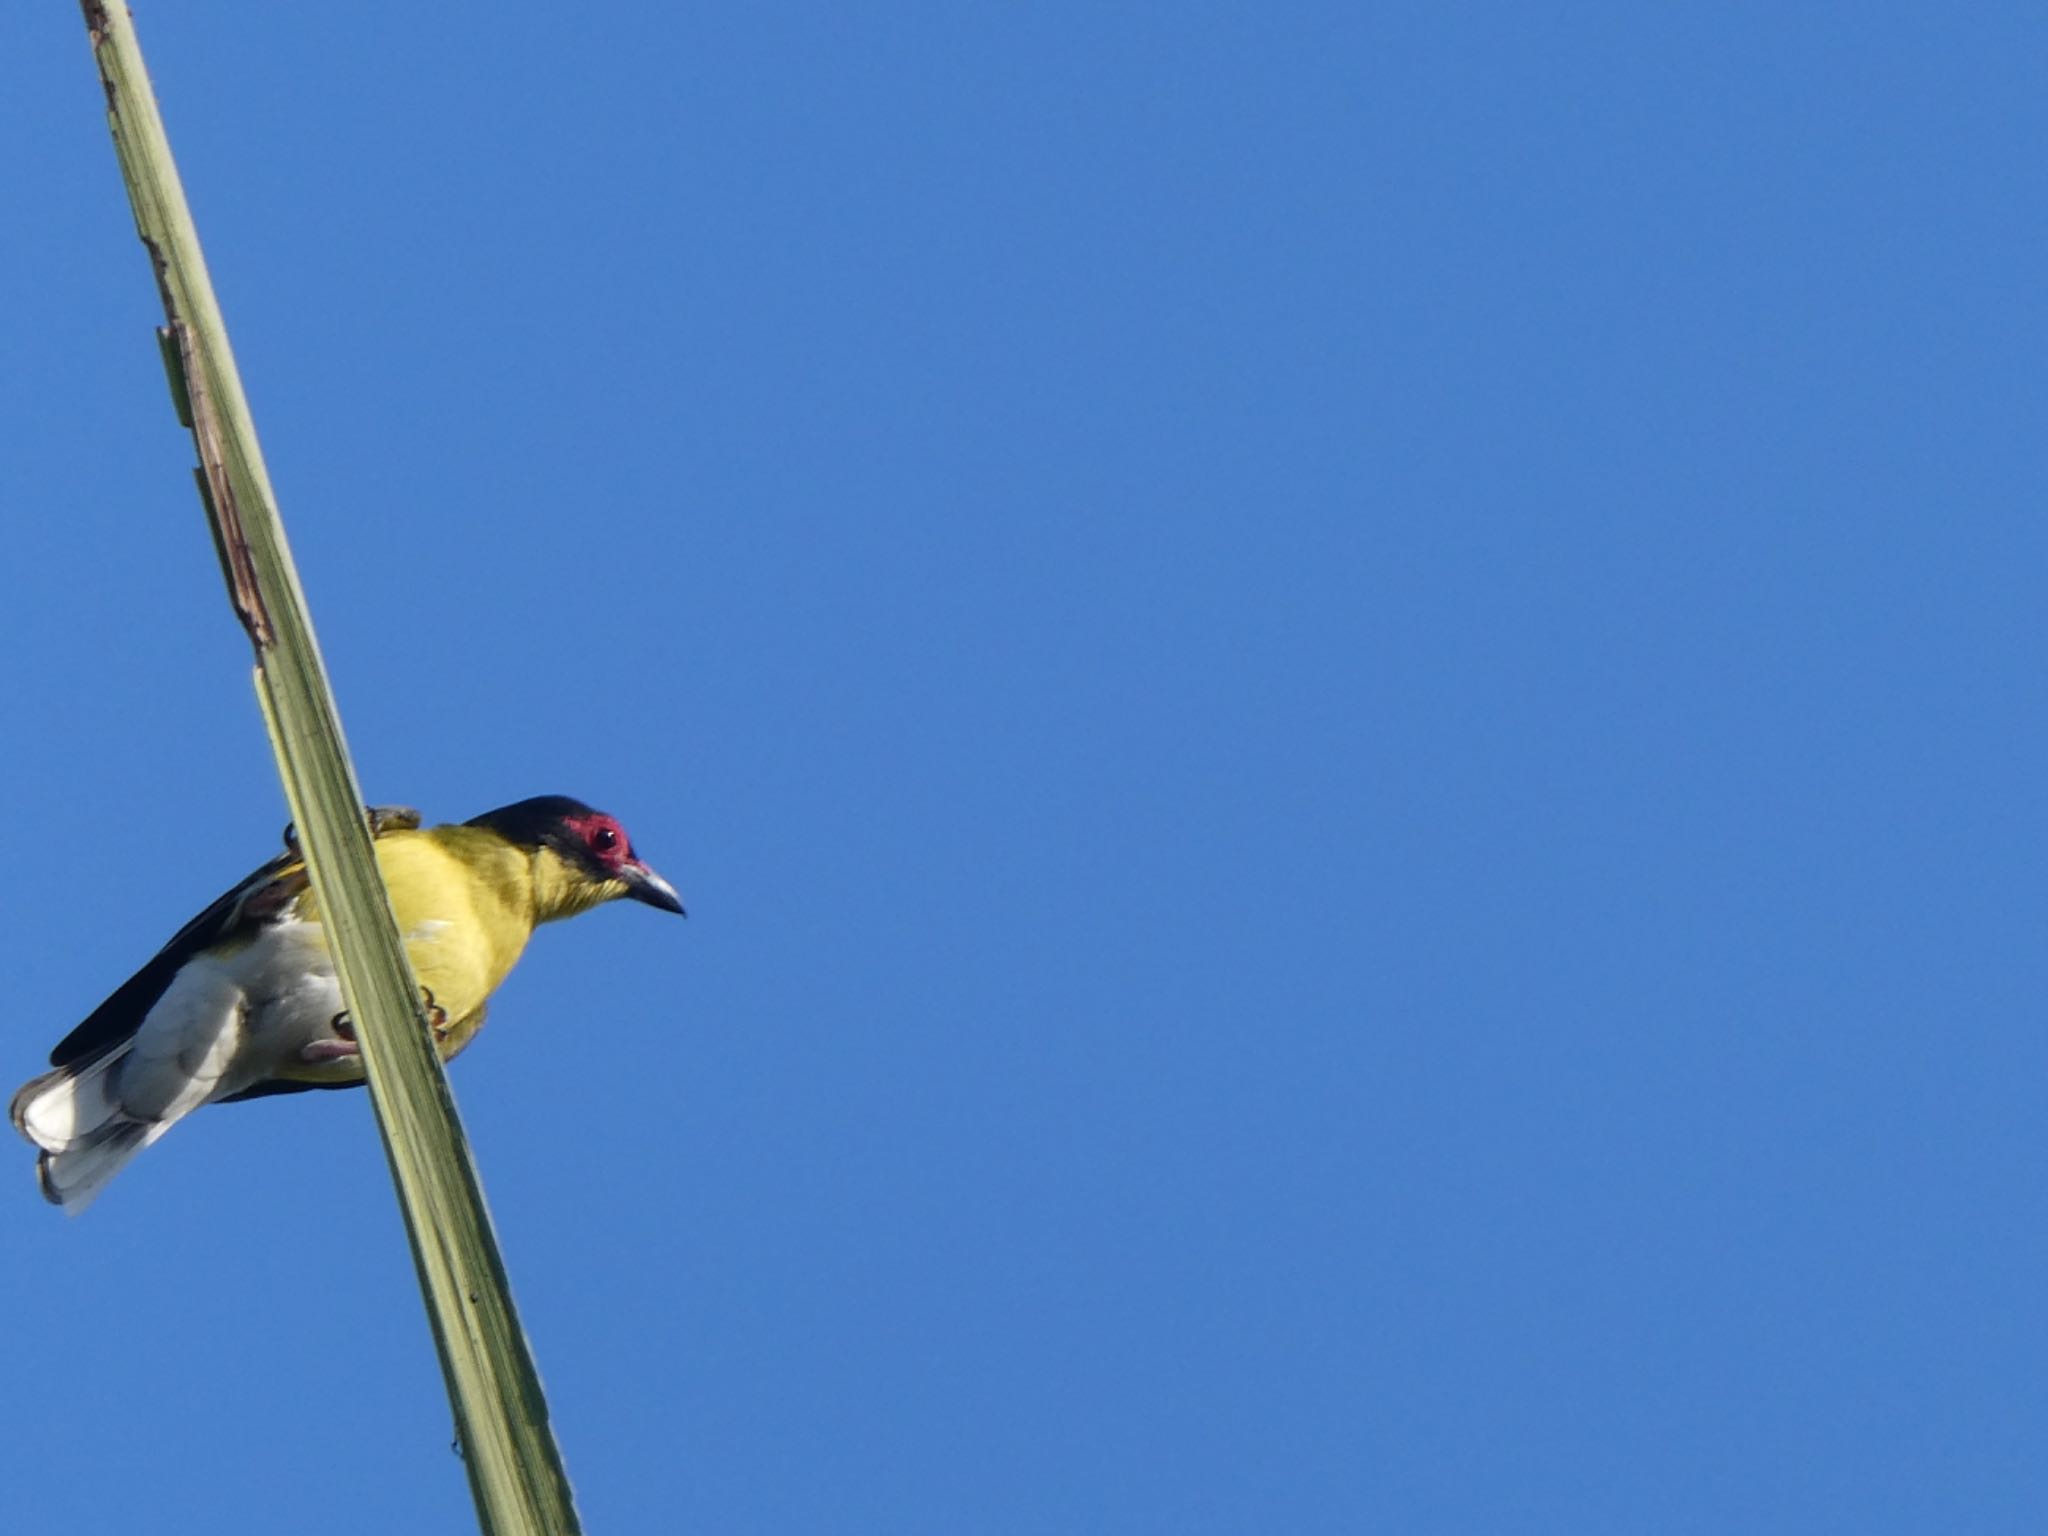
465,906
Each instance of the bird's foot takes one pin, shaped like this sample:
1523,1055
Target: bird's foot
382,819
342,1045
344,1041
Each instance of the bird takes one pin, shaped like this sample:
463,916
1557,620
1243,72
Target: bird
243,1002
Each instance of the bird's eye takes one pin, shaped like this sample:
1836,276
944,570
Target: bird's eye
604,839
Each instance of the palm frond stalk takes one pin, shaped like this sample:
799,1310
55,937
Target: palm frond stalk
515,1468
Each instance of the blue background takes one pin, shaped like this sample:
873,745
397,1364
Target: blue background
1351,699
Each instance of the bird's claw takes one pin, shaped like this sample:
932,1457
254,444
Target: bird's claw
437,1016
344,1042
382,819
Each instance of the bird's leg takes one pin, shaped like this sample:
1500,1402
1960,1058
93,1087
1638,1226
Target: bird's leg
344,1042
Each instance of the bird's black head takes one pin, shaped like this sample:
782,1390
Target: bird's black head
591,843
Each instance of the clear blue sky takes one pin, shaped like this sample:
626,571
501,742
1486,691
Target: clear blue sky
1351,699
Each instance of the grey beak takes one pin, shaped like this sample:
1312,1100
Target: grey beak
643,884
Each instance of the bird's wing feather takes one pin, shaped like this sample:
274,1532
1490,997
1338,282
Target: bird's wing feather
256,900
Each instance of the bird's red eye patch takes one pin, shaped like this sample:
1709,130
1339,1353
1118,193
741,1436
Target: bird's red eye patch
604,837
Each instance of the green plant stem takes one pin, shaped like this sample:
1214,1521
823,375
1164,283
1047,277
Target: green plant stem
515,1468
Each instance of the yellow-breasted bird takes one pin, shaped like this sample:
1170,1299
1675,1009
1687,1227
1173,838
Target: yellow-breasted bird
244,1001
